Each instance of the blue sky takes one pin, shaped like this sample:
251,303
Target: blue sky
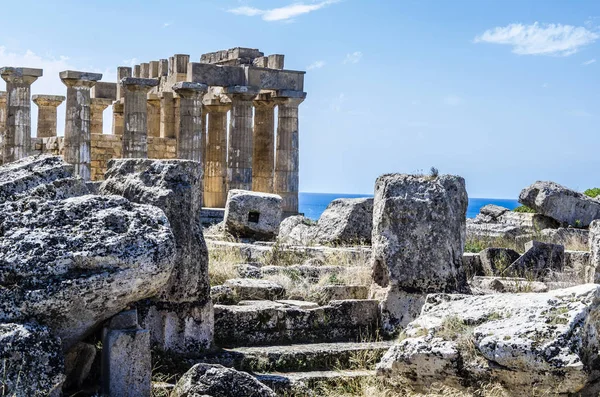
501,92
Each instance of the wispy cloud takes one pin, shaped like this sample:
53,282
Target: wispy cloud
586,63
131,62
545,85
338,102
540,39
166,24
354,57
453,100
285,13
316,65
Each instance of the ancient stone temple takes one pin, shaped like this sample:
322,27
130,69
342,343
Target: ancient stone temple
235,111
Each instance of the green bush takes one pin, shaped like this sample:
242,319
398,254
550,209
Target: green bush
524,208
592,192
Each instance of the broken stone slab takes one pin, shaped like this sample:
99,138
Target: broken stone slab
270,324
126,358
538,260
328,293
418,220
216,380
542,342
251,289
103,248
569,237
492,285
253,214
32,361
495,261
44,176
494,221
561,203
579,262
174,187
297,229
346,221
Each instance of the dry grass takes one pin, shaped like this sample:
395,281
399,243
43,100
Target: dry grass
221,264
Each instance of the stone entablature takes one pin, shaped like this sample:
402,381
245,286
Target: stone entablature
174,108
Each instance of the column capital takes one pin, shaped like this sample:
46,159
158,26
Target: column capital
135,83
241,92
190,90
264,101
73,78
101,103
218,108
48,100
290,97
20,75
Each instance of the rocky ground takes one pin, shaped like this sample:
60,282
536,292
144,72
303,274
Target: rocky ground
117,290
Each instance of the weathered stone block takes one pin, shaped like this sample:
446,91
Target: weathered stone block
538,260
346,221
495,261
253,214
251,289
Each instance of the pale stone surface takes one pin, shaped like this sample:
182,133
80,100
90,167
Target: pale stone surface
346,221
251,289
328,293
32,361
545,342
216,380
105,90
190,143
418,220
594,243
495,221
215,181
135,115
253,214
491,285
538,260
17,133
298,229
566,236
263,157
565,205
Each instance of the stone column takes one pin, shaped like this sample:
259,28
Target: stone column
189,141
167,116
153,115
215,165
145,70
2,123
286,179
17,133
77,121
122,72
96,114
263,156
135,115
239,161
47,104
118,118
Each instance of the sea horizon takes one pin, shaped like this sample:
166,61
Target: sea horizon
312,205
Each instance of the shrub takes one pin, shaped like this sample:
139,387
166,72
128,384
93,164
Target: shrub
524,208
594,192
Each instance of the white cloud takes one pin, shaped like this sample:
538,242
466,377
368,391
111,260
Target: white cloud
540,39
338,102
354,57
166,24
453,100
316,65
131,62
586,63
285,13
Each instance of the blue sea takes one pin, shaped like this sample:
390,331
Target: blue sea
313,204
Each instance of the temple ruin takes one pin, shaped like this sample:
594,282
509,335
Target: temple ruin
169,109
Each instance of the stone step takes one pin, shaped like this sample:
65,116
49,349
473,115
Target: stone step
263,325
302,384
301,357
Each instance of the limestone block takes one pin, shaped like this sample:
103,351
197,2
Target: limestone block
105,90
495,261
565,205
346,221
252,214
328,293
491,285
528,342
252,289
538,260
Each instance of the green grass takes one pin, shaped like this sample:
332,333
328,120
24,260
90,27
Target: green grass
593,192
524,209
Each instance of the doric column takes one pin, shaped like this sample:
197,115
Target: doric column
167,115
153,115
135,115
239,160
77,121
122,72
287,155
17,133
263,157
145,70
47,115
136,71
117,124
189,141
215,165
2,122
97,107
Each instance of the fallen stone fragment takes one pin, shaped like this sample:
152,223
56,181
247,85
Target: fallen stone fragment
218,381
538,260
495,261
346,221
